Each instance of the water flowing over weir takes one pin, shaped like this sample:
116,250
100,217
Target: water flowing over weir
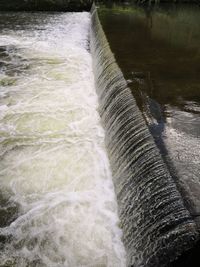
157,227
57,199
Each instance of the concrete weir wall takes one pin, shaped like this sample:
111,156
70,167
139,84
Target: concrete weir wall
45,5
157,227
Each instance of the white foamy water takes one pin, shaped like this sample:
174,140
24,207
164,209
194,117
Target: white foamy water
58,207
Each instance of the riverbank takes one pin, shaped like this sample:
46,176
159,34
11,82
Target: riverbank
45,5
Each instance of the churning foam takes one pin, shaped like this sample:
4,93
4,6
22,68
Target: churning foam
56,189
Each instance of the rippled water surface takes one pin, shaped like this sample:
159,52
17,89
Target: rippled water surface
158,50
57,203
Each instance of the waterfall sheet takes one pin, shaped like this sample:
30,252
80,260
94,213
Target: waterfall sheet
157,227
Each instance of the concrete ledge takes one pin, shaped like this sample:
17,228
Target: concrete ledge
45,5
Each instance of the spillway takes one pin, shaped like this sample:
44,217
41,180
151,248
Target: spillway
157,226
58,206
60,193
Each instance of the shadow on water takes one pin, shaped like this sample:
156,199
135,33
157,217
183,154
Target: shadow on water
11,64
158,50
190,258
8,210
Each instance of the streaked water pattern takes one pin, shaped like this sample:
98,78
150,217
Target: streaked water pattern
57,199
159,53
157,226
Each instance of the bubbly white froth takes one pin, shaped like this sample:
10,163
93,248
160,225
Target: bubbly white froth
54,170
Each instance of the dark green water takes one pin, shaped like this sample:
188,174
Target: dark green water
158,50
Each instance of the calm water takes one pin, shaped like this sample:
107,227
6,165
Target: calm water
158,50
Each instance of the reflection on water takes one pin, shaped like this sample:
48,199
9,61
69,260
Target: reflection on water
158,49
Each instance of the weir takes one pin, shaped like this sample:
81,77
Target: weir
157,227
57,199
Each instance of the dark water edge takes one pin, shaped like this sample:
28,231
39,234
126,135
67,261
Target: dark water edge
157,48
189,258
45,5
110,3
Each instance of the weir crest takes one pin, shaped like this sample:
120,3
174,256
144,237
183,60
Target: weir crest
157,227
